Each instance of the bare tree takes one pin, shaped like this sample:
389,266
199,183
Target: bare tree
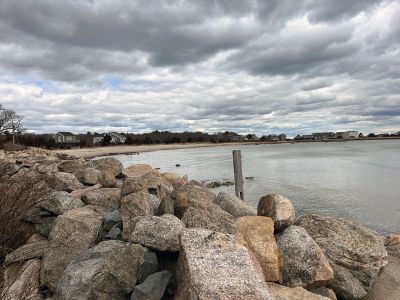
10,123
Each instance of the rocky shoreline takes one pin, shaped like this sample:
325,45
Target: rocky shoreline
105,232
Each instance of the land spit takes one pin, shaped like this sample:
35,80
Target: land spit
105,232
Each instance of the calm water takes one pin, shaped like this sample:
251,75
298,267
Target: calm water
356,180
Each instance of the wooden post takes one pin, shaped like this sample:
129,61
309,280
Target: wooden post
237,170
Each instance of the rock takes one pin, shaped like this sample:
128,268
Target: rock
8,168
26,252
190,195
107,165
107,179
158,233
235,206
108,198
58,202
91,176
258,232
111,219
166,206
278,208
214,220
356,254
106,271
387,285
148,266
304,263
214,265
280,292
392,244
149,182
175,179
138,170
71,166
36,238
45,225
114,233
48,168
132,206
74,231
79,193
153,287
62,181
21,281
324,291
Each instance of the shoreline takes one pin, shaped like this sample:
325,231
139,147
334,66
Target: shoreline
94,152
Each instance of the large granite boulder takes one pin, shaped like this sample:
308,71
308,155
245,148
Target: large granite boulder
132,206
281,292
21,281
153,287
150,182
58,202
304,263
75,231
175,179
258,232
214,265
106,271
235,206
79,193
71,166
356,254
62,181
212,219
148,266
158,233
278,208
108,198
138,170
91,176
387,286
107,179
190,195
107,165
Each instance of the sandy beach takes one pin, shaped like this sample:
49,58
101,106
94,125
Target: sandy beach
126,149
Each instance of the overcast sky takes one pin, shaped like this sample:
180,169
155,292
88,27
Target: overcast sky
292,66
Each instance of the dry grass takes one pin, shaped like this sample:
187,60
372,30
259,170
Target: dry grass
17,196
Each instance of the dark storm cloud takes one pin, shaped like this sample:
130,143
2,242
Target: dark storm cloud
243,65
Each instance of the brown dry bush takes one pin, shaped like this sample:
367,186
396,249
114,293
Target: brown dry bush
17,196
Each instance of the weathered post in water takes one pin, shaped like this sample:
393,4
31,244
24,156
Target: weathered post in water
237,170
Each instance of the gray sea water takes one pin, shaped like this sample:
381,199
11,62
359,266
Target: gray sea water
356,180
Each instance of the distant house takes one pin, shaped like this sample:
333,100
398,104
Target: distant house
298,137
347,135
229,136
308,137
323,136
272,137
252,137
282,137
91,140
66,138
117,138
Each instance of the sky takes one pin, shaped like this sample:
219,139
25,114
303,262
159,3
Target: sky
250,66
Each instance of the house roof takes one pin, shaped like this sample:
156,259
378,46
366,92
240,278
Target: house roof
66,133
119,135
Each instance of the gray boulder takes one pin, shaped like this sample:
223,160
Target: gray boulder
150,182
158,233
304,263
108,198
26,252
214,265
278,208
58,202
91,176
71,166
132,206
106,271
75,231
62,181
214,220
111,219
153,287
356,254
107,165
148,267
235,206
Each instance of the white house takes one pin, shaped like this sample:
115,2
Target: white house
117,138
64,137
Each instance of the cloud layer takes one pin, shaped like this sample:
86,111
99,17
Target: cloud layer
243,65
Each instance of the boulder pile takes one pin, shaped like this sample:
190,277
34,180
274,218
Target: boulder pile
105,232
